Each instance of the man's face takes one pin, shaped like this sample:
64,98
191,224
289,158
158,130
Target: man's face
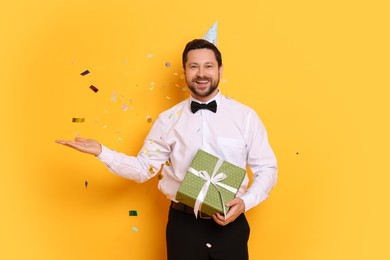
202,74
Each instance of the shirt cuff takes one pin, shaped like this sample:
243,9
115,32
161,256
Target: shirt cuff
251,202
106,156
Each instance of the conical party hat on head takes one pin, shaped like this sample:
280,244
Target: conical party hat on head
211,34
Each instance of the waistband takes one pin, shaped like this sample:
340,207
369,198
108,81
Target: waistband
187,209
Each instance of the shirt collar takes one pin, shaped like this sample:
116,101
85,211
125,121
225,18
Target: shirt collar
217,98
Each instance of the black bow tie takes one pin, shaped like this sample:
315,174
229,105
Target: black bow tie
212,106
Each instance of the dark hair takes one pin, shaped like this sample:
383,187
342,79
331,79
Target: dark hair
201,44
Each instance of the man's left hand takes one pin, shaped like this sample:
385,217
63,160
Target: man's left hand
237,207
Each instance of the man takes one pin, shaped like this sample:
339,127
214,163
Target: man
229,130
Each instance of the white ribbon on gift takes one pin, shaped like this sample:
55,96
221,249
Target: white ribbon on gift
214,180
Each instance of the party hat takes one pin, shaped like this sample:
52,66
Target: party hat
211,34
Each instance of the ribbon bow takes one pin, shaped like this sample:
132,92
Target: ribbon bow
214,179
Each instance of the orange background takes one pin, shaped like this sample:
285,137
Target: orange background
315,71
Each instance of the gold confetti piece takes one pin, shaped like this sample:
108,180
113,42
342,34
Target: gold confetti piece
158,150
146,151
179,113
150,56
95,89
168,163
105,126
151,169
168,97
152,141
78,120
119,139
182,76
160,177
176,74
84,73
149,120
177,85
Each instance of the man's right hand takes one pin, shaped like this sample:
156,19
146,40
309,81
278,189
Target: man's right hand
83,145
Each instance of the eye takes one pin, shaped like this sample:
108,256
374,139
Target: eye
193,66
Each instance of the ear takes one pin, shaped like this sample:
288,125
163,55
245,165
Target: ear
220,71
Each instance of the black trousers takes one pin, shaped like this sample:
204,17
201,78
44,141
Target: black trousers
189,238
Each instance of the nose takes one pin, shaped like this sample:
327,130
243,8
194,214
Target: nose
200,72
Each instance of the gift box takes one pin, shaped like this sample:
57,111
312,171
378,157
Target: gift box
209,184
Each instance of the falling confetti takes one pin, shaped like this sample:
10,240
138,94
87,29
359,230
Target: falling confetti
86,184
119,139
152,85
113,98
167,64
86,72
146,151
133,213
208,245
167,97
124,107
176,74
150,56
151,169
160,176
168,163
78,120
149,119
184,89
95,89
158,151
135,229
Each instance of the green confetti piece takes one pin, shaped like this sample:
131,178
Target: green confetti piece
133,213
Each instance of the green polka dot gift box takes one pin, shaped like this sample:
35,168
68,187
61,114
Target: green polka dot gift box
209,184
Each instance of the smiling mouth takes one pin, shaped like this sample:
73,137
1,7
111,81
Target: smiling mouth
202,81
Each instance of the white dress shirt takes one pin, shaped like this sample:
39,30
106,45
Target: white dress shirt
234,133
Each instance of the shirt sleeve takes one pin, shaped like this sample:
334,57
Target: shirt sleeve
262,162
152,156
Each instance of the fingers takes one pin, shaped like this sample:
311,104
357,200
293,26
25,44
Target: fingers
237,208
83,145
